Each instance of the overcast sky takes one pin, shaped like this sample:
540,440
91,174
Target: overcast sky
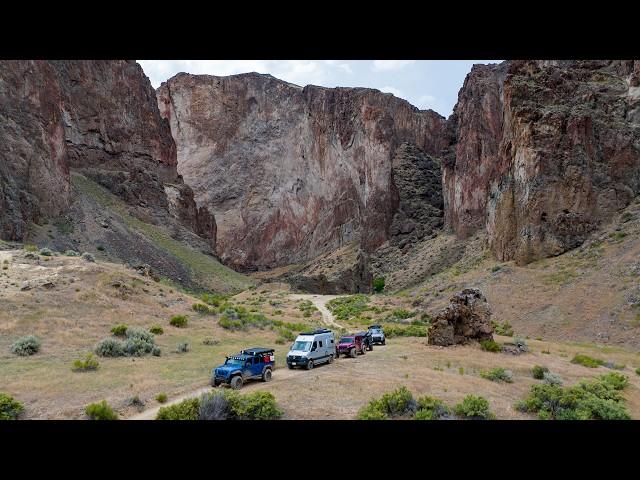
424,83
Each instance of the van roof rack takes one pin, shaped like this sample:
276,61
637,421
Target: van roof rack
315,332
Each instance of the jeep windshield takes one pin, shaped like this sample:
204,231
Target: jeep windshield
376,330
234,361
301,346
346,340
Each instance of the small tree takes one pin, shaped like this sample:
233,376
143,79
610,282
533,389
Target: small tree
378,284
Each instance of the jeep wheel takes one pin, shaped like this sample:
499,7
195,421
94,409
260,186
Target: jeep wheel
370,347
290,366
266,375
353,353
236,382
310,365
363,350
214,383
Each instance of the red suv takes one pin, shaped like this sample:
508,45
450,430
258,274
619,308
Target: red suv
352,345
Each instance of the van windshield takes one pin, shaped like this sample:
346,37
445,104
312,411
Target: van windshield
346,340
302,346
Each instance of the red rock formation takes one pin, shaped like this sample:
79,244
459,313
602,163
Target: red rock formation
99,117
567,155
291,172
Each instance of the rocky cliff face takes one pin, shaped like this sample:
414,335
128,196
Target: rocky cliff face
542,152
98,117
289,172
34,173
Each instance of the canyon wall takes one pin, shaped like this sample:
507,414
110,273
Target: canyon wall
541,152
289,172
97,117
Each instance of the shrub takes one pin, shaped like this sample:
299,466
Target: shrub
182,348
72,253
521,344
155,351
490,346
88,257
498,375
504,328
161,397
350,306
25,346
378,284
185,410
401,313
253,406
538,371
179,321
10,409
100,411
89,363
213,299
586,361
614,366
638,371
156,329
119,330
210,341
473,406
201,308
393,404
109,347
45,252
213,406
100,248
392,331
372,411
552,378
30,248
597,399
431,408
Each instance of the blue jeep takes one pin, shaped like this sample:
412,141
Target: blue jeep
250,364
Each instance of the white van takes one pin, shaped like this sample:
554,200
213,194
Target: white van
312,348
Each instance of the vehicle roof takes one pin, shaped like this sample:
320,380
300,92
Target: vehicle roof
257,350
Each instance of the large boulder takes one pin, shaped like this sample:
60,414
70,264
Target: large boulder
467,317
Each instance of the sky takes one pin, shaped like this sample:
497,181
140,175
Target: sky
426,84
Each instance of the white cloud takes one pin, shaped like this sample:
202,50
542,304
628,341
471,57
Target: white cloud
389,65
398,93
426,101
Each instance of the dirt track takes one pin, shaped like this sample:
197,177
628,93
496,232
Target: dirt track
320,301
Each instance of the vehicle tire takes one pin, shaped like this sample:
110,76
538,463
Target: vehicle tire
290,366
353,353
236,382
363,350
310,365
370,347
384,341
266,375
213,383
330,358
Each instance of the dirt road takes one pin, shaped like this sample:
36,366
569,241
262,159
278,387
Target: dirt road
320,301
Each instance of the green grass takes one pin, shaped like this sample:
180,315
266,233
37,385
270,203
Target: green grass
201,267
587,361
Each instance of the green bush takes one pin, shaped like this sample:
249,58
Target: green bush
473,406
348,307
490,346
401,313
202,308
88,257
239,318
586,361
179,321
185,410
89,363
45,252
498,374
210,341
119,330
504,328
109,347
72,253
25,346
156,329
372,411
552,378
597,399
537,372
378,284
100,411
161,397
155,351
392,331
213,299
431,408
31,248
398,403
10,409
182,348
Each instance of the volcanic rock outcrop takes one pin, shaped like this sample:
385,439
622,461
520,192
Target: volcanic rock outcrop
542,152
98,117
289,172
467,317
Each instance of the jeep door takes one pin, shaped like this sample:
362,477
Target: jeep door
257,366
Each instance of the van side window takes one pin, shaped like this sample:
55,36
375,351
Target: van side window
315,344
320,342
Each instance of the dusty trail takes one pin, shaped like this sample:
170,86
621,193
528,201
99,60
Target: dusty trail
320,301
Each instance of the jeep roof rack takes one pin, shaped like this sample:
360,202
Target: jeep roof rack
374,326
256,351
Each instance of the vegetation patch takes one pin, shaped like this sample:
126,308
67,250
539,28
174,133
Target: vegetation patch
503,328
498,374
344,308
307,307
26,346
587,361
378,284
391,331
431,408
597,399
161,398
100,411
490,346
85,365
179,321
156,329
10,409
474,407
119,330
224,405
538,372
